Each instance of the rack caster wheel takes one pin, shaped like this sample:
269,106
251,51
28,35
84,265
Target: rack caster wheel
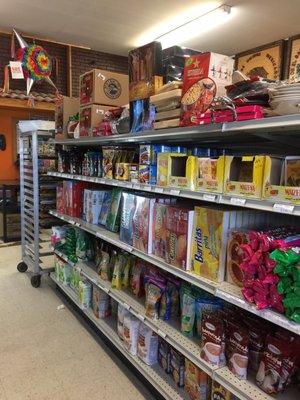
35,281
22,267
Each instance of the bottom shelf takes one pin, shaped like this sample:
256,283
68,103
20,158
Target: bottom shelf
160,380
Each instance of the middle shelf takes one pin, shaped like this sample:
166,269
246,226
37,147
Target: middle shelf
222,290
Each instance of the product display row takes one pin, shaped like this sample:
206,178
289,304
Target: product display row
197,169
223,339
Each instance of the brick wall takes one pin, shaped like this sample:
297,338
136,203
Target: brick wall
82,61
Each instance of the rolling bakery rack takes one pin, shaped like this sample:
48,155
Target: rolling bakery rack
33,180
275,134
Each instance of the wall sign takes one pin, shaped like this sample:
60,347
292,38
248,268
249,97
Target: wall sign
264,61
293,59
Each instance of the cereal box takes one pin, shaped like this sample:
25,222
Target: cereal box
73,195
197,383
142,224
148,153
179,222
114,213
159,230
205,76
105,208
209,241
126,224
92,204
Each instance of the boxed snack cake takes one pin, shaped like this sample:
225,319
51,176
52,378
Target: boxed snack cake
103,87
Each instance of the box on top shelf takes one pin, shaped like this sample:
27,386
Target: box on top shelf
65,108
178,51
176,170
243,175
210,174
103,87
205,76
90,117
282,179
145,71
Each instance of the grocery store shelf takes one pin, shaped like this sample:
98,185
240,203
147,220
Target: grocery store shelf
113,238
169,331
257,131
232,294
222,290
155,375
264,205
247,389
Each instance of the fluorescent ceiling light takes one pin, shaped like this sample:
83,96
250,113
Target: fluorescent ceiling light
196,26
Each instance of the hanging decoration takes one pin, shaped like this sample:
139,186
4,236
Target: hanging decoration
35,61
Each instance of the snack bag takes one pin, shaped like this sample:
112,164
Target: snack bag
169,304
101,303
147,345
85,294
126,271
213,340
136,282
164,355
131,333
154,290
116,282
187,312
205,306
177,367
104,266
122,312
237,349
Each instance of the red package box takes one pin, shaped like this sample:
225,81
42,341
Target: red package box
205,76
73,196
142,224
60,203
179,225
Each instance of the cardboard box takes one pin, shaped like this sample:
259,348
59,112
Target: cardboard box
92,204
210,174
244,175
176,170
103,87
279,174
143,223
148,153
73,195
201,72
65,107
90,117
145,71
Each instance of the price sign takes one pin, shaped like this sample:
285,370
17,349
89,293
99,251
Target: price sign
237,201
209,197
284,208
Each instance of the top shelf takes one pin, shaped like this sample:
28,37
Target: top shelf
258,131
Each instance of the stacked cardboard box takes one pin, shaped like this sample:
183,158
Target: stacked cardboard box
100,91
65,108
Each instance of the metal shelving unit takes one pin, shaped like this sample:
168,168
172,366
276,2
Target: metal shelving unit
223,290
30,185
275,134
263,205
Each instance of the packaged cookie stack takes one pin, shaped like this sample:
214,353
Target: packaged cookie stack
167,105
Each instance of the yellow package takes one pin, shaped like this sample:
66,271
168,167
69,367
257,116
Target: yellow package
209,242
197,383
210,174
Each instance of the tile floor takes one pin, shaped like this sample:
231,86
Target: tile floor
36,359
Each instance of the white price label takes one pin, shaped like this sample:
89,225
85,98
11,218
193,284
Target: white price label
127,248
106,290
136,186
77,224
284,208
16,70
237,201
72,222
158,190
141,317
161,333
95,179
101,180
98,234
209,197
129,184
174,192
126,306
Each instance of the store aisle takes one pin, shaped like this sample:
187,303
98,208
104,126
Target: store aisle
47,353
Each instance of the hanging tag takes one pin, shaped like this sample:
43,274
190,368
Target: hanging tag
16,70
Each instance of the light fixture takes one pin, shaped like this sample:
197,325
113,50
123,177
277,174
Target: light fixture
196,26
